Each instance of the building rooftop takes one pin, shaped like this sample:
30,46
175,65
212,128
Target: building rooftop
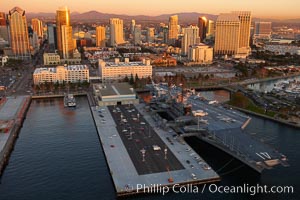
228,17
77,67
116,89
53,69
51,54
242,13
201,45
123,64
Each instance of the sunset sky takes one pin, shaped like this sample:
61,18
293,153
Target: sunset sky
259,8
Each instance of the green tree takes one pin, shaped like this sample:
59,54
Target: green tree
136,77
131,80
126,79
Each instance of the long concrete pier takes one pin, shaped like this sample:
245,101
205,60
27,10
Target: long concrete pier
133,173
12,114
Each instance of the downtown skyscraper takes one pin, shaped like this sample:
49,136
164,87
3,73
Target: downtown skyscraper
245,20
202,25
52,37
64,34
132,25
100,36
232,35
190,37
18,29
116,31
263,29
150,35
173,29
37,27
137,36
3,27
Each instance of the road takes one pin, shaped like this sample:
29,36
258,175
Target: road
23,85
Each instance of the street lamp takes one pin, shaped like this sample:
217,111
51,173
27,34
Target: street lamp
149,131
131,134
166,151
143,151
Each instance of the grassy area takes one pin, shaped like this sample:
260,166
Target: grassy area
241,101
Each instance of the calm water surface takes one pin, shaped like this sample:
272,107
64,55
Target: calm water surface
58,156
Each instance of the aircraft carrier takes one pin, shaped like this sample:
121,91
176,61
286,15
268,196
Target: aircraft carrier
213,123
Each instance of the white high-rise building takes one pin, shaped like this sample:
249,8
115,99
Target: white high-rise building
190,37
116,31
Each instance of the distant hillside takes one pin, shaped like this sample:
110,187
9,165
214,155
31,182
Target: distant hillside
183,17
186,17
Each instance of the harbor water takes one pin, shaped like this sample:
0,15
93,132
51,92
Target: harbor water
267,86
58,156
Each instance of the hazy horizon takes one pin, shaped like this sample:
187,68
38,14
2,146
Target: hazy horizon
280,9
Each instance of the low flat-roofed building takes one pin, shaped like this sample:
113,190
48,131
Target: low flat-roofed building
54,59
3,60
51,59
119,70
200,54
114,94
70,73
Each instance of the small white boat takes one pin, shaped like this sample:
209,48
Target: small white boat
69,100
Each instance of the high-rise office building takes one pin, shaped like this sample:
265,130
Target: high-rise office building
233,33
165,33
34,41
37,27
137,36
2,19
263,29
227,34
245,20
67,43
116,31
52,37
211,29
190,37
19,33
202,25
64,33
173,29
132,25
150,35
100,36
3,27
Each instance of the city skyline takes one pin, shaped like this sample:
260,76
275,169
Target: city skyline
279,9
